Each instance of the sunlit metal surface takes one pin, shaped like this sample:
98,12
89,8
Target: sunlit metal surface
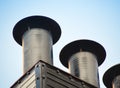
37,45
43,75
28,81
84,65
83,57
36,34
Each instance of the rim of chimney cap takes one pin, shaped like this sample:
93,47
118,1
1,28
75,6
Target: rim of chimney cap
36,22
110,74
84,45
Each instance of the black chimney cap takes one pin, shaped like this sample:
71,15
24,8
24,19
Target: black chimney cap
36,22
84,45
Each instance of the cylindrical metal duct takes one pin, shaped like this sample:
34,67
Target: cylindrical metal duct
84,65
36,34
36,46
83,57
111,77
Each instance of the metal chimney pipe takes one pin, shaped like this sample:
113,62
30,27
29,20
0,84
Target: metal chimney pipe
111,78
36,34
83,57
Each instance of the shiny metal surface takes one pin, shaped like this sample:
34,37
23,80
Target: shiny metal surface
84,65
27,82
44,75
116,82
37,45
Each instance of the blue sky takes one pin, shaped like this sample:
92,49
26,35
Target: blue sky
97,20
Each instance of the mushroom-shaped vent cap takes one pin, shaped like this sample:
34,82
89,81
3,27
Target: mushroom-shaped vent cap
36,22
84,45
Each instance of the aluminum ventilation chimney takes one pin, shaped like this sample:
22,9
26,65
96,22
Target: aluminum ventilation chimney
111,77
36,34
83,57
